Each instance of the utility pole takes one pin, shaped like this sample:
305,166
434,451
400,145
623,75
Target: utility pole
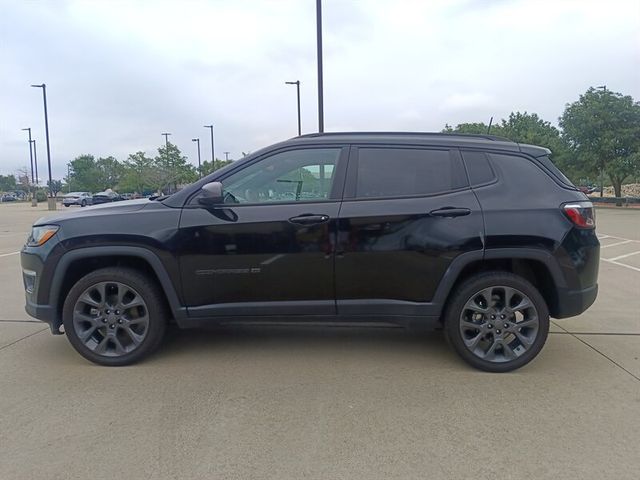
604,90
226,156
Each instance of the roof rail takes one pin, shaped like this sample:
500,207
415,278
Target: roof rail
417,134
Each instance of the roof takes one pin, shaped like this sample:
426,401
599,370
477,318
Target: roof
421,138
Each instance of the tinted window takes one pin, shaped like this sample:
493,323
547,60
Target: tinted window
292,176
393,172
478,168
549,165
525,175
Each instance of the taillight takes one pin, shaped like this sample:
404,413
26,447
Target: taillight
581,214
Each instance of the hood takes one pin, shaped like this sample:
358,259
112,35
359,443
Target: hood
111,208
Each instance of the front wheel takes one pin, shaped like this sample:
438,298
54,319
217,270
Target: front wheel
83,203
114,316
497,321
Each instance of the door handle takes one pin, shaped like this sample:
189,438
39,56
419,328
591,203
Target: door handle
309,219
450,212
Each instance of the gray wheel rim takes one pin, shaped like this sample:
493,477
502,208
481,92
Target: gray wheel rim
111,319
499,324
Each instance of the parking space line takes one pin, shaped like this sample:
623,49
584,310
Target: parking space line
619,257
620,264
616,244
8,254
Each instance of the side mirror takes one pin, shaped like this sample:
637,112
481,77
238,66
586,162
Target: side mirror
212,194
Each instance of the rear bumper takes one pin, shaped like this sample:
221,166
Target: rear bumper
574,302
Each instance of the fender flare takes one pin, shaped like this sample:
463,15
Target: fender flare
460,262
145,254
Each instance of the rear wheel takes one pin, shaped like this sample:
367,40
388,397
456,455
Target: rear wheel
114,316
497,321
83,203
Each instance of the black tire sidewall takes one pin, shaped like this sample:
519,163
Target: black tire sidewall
471,287
145,288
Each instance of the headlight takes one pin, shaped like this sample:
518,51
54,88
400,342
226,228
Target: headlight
40,235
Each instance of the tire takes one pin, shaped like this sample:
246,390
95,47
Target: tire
66,204
511,317
83,203
115,316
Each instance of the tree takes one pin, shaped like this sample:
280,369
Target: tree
209,167
109,171
603,129
528,128
83,172
55,186
138,174
7,183
173,168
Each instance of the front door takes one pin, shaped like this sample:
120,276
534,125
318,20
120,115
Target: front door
269,248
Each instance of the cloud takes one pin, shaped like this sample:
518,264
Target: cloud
121,73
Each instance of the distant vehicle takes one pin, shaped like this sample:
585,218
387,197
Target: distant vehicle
106,197
77,198
8,198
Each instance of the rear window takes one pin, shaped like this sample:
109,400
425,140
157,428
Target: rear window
395,172
555,171
478,168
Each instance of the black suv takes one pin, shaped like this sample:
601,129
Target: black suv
477,235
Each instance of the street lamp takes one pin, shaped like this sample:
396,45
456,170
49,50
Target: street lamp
319,46
35,160
197,140
52,204
213,155
34,201
226,156
28,129
166,139
297,84
604,90
68,179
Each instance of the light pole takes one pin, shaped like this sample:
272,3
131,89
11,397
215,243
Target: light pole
52,204
28,129
213,155
166,152
226,156
35,161
197,140
604,90
320,86
68,179
34,200
297,84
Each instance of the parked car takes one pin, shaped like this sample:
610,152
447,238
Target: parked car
77,198
479,236
7,197
106,197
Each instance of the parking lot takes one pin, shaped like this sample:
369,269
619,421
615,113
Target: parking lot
319,403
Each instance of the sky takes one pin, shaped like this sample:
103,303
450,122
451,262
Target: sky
119,73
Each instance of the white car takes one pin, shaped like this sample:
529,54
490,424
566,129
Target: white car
77,198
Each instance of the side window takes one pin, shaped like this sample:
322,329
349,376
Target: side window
478,168
522,174
292,176
394,172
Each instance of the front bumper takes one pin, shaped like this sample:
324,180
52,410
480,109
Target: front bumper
574,302
37,302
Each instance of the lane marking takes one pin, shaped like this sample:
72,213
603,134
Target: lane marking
623,256
620,264
8,254
616,244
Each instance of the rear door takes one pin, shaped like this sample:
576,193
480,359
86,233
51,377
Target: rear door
408,213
